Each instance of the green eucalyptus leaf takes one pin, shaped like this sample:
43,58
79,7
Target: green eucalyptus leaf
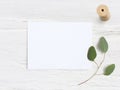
103,45
91,53
109,69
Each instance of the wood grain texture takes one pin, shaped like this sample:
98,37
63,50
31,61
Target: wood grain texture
14,15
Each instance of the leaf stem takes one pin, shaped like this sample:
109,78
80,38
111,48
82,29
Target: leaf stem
96,64
95,73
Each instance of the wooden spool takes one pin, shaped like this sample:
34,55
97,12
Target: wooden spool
103,12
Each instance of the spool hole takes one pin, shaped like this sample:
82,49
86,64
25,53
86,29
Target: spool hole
102,10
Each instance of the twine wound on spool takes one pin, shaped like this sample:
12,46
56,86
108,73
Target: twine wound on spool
103,12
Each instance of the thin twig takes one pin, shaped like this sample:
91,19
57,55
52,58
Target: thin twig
98,67
102,60
89,77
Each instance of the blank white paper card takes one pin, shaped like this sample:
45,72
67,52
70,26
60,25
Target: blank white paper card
59,45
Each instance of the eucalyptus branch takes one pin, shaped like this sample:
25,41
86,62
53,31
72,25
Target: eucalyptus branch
103,47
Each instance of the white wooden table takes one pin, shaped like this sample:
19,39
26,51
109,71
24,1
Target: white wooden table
14,15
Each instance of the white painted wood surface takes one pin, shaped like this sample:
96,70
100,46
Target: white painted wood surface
14,15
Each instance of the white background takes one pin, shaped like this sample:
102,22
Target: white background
13,44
